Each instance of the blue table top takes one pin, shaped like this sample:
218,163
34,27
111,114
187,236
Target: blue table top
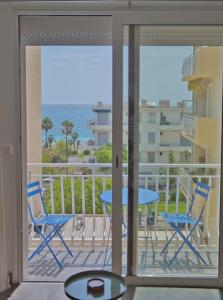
145,196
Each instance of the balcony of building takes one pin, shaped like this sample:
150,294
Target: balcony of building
76,188
169,122
197,129
201,65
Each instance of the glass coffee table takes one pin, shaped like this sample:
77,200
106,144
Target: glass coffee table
77,286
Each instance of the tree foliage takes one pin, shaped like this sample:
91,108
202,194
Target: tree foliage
66,130
47,124
104,154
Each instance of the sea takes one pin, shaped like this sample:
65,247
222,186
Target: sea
78,114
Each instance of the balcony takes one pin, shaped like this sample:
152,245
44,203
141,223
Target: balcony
181,146
202,64
170,126
197,129
75,188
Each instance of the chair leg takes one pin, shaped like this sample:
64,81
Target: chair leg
48,238
106,251
167,244
151,238
43,244
62,240
53,233
46,244
186,241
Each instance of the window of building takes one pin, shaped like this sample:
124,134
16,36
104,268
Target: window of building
102,118
151,138
151,117
151,157
102,138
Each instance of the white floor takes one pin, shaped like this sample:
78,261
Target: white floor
55,291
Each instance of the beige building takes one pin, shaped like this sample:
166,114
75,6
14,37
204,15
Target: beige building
203,72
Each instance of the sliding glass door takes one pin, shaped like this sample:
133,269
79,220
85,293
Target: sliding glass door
68,114
173,96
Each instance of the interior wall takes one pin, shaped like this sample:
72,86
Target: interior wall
9,135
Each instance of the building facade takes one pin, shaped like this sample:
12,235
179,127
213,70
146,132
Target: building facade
159,130
202,126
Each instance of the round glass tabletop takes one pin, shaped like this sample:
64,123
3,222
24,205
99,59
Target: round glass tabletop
76,286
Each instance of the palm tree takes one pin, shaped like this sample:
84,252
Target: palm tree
67,129
78,144
47,124
50,140
74,137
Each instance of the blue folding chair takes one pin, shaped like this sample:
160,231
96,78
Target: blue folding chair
177,220
56,221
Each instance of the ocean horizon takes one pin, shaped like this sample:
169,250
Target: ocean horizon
78,114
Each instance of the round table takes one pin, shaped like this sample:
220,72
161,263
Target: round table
145,196
75,287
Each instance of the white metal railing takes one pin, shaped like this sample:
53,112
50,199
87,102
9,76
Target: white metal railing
188,66
188,123
77,191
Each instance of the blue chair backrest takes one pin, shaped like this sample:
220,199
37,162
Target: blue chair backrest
202,190
33,189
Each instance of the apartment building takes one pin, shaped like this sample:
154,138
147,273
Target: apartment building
160,129
202,126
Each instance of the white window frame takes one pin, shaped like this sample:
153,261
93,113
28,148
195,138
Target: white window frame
151,117
151,13
154,156
102,118
153,139
105,135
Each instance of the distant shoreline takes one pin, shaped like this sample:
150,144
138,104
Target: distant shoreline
78,114
88,105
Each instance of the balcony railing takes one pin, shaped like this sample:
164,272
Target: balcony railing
188,123
75,188
188,66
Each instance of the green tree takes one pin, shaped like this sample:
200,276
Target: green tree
172,171
47,124
50,140
124,154
78,144
74,137
60,149
104,154
172,160
67,129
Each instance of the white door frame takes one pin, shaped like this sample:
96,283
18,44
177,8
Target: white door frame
159,13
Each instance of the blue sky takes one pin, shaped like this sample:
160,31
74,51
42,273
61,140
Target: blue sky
83,74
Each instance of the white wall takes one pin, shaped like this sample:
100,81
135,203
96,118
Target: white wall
10,134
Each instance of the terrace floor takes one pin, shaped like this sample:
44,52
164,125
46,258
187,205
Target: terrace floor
44,267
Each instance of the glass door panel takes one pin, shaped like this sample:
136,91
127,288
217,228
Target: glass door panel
69,149
176,96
